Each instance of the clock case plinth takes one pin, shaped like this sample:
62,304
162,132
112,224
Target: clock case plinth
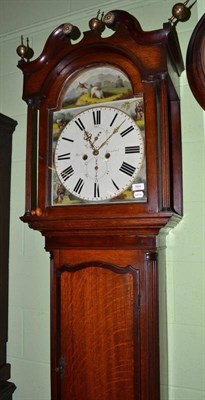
111,247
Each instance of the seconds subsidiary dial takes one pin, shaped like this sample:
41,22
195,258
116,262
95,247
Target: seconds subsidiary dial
99,154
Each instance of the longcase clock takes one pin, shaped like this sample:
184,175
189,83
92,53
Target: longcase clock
103,177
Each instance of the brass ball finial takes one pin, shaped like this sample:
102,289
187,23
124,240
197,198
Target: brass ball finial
180,12
21,49
71,31
25,51
96,24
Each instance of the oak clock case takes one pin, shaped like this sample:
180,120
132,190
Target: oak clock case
103,177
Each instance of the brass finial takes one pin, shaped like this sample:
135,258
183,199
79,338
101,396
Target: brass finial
96,24
25,51
21,49
180,12
71,31
29,52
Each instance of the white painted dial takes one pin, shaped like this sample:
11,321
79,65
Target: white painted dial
99,154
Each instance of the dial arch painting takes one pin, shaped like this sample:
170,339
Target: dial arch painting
99,131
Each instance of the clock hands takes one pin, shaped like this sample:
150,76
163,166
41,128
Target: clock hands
88,138
113,132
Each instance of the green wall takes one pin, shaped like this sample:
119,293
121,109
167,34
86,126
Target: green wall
182,301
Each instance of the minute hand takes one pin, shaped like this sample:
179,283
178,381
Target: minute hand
113,132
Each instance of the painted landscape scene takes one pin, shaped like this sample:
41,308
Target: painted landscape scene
97,85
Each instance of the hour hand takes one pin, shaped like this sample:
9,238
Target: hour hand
88,138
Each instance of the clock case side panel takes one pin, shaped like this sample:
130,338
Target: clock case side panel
170,147
163,141
176,170
7,127
32,157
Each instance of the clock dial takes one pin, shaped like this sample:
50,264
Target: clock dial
99,154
